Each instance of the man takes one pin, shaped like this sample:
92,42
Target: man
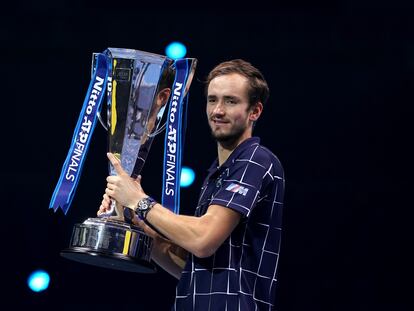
225,256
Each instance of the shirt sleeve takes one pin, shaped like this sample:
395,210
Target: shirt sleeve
242,183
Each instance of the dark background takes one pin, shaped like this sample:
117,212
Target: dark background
339,119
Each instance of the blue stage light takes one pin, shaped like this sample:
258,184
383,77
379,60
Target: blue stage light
38,280
187,177
176,50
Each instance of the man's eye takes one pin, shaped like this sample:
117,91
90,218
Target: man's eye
231,101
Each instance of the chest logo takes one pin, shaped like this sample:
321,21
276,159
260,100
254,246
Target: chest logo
237,189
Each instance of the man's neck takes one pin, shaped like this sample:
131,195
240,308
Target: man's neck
225,150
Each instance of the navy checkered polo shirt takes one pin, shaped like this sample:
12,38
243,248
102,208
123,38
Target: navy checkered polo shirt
242,274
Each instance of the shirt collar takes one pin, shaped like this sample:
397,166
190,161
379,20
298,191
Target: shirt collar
236,152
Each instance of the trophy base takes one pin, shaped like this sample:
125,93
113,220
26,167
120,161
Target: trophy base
111,261
112,244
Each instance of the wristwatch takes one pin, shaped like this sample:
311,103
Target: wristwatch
144,206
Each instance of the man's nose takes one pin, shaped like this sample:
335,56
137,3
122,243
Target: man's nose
219,108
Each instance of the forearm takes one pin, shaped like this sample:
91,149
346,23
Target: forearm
191,233
200,236
168,256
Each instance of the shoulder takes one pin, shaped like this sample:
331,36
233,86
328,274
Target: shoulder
262,156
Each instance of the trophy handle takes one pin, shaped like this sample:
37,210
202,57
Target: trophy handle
102,121
119,210
158,131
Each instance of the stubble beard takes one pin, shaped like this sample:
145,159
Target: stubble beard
229,139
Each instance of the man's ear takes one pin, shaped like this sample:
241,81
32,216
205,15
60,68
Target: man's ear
256,111
163,95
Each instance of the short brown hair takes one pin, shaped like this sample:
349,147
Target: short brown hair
258,88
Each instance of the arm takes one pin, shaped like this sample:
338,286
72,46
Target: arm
199,235
167,255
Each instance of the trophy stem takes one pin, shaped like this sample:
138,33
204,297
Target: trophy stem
119,209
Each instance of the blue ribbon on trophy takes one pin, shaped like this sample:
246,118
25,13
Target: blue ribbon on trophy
72,168
174,138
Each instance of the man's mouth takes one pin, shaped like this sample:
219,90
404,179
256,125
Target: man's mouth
218,121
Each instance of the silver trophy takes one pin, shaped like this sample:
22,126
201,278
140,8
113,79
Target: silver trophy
138,95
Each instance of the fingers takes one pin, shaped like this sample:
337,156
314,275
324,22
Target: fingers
105,205
116,180
106,199
116,164
102,210
112,181
109,192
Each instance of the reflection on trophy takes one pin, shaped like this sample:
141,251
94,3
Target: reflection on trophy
139,89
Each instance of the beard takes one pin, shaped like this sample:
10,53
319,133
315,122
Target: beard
229,139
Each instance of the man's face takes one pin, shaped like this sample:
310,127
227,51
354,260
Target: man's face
227,109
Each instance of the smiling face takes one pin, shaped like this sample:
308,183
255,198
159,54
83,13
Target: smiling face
228,111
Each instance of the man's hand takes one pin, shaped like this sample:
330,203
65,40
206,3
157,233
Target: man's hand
147,229
122,188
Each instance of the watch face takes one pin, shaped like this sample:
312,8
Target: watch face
143,204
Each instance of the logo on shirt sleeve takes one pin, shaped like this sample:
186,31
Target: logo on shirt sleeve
237,189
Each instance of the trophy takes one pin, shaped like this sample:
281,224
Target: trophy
141,86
